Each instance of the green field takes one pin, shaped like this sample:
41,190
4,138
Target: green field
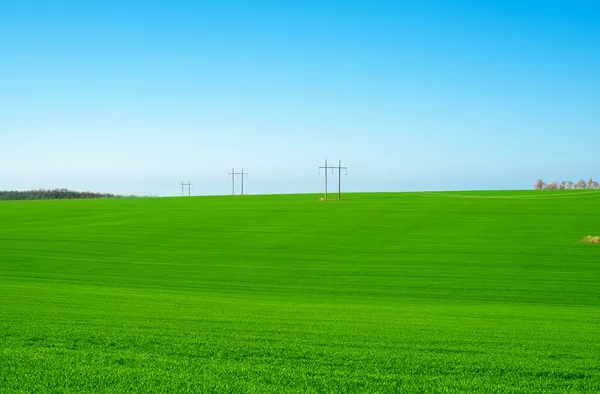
388,292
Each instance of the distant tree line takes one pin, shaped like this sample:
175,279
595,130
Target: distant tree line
566,185
55,194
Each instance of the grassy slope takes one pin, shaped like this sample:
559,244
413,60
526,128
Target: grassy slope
388,292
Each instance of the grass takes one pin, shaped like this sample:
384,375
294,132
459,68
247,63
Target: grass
412,292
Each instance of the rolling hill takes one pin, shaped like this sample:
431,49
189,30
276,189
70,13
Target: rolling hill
382,292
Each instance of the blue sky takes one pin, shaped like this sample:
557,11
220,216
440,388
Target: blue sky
136,96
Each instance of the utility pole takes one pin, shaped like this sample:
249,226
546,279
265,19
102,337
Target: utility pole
232,173
340,168
242,174
238,174
189,185
326,168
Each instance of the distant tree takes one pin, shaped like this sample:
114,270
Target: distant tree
539,185
564,185
580,184
55,194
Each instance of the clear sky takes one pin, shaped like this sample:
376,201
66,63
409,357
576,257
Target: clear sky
135,96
